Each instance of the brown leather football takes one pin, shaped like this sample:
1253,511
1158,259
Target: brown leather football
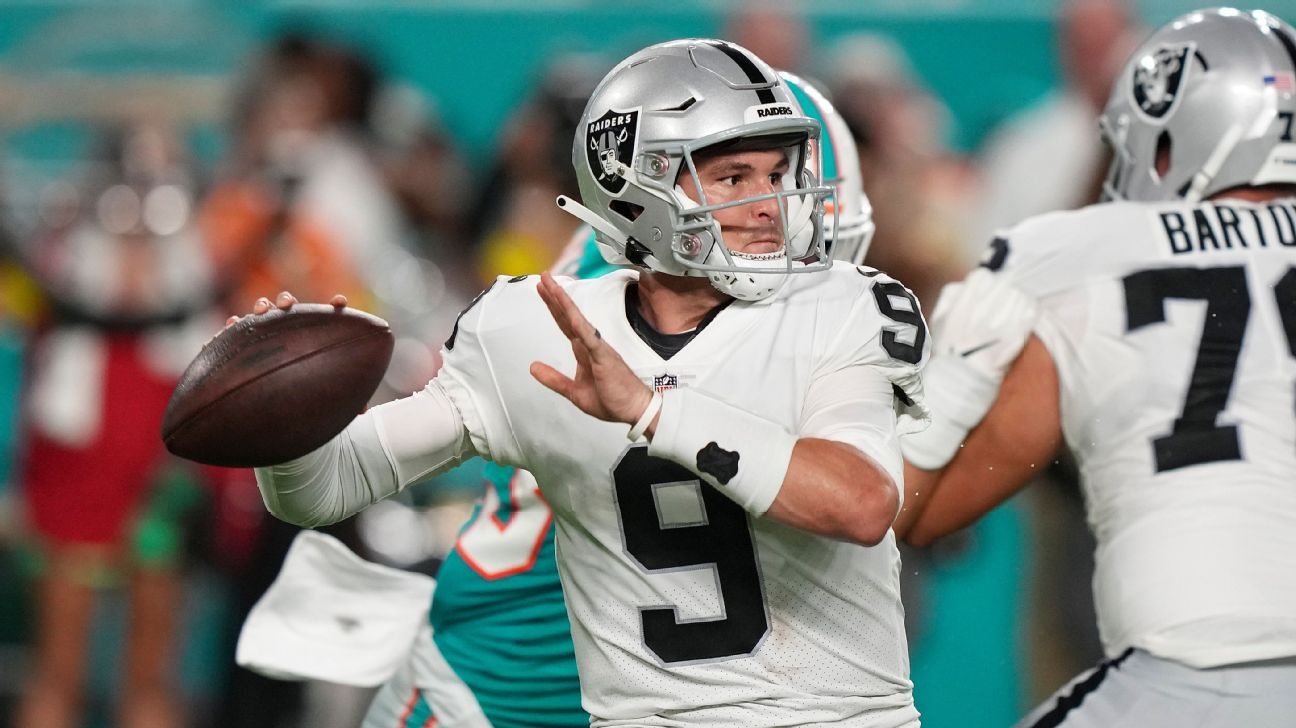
275,386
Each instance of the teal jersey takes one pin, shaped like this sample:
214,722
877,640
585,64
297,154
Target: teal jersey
498,615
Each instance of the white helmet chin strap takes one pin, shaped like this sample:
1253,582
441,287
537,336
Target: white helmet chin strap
749,286
1213,163
591,218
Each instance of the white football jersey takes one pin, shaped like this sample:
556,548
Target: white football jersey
685,609
1173,330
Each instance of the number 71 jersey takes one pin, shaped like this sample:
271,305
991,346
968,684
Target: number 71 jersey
1173,330
686,610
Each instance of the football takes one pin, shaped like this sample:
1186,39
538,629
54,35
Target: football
275,386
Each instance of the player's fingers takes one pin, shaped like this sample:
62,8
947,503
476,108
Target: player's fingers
262,305
231,321
580,327
338,300
285,300
552,378
556,309
582,354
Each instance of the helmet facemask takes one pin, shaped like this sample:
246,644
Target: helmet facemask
679,104
699,244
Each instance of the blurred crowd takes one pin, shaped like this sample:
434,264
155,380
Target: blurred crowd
336,177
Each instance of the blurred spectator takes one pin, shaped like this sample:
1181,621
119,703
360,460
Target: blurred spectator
521,229
1049,157
128,287
424,169
302,201
919,190
773,31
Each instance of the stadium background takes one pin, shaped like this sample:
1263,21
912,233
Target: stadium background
999,615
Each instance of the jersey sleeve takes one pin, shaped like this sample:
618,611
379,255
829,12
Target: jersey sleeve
468,376
884,331
1043,258
1052,252
855,405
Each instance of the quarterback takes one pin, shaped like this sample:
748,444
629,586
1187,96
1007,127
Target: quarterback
716,431
497,616
1155,334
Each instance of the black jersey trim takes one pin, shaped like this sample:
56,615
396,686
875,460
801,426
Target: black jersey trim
754,75
1072,700
666,345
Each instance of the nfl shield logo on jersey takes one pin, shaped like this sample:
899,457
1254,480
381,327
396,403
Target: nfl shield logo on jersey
1158,77
610,142
665,382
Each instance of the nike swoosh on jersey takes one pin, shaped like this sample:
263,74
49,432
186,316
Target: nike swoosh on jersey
975,349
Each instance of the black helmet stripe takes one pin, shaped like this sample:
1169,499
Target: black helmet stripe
1287,43
754,75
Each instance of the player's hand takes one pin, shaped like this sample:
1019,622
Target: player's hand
604,386
978,330
284,301
984,321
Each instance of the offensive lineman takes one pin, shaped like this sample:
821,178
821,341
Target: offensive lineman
722,565
1156,334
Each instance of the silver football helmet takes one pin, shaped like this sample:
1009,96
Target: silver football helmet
848,217
1213,90
641,132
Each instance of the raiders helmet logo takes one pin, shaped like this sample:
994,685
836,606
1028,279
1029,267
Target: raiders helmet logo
609,144
1158,79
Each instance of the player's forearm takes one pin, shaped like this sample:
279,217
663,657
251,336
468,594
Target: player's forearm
1011,446
822,486
834,490
335,481
919,486
378,454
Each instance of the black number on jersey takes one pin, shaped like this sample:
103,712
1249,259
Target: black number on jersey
997,255
1286,118
1195,437
721,539
1285,291
912,353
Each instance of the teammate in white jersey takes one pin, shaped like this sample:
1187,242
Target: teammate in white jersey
729,559
1156,335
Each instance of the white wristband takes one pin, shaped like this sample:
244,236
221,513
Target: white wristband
743,455
645,419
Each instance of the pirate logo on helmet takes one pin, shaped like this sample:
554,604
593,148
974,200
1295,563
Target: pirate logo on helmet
1158,79
609,146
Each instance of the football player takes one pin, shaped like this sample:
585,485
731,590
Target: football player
1154,334
728,559
497,615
